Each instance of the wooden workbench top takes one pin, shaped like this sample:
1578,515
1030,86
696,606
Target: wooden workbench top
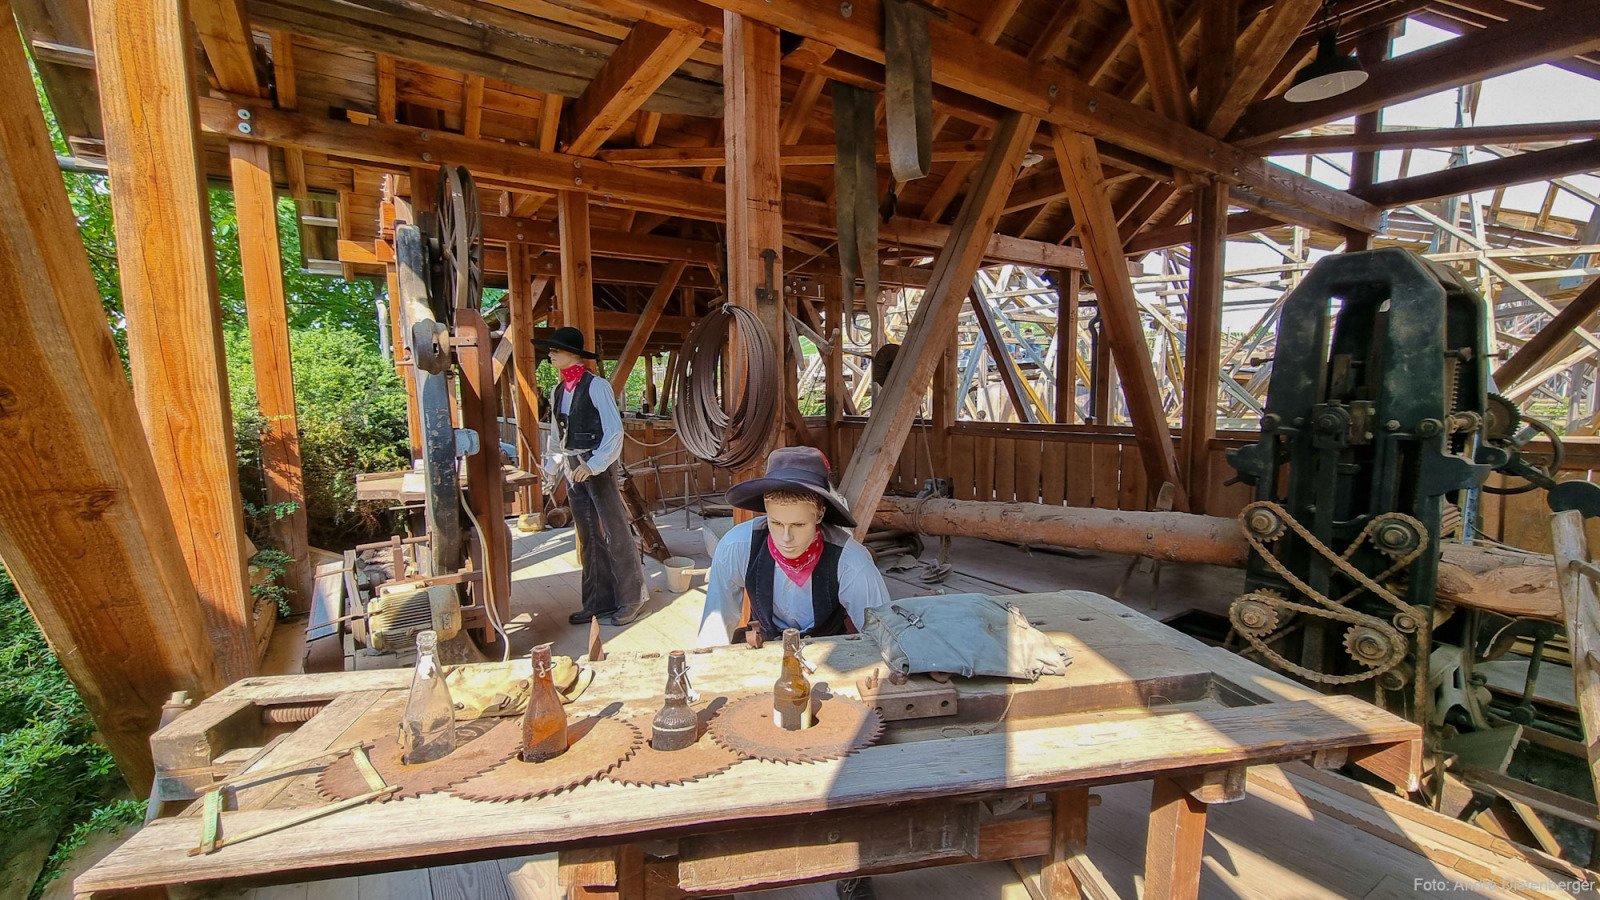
1104,721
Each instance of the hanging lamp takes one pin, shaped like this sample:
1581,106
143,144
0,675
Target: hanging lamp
1331,73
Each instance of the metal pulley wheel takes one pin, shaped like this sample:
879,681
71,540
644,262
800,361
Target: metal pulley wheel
1516,442
458,223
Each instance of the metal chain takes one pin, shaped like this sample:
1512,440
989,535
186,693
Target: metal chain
1331,609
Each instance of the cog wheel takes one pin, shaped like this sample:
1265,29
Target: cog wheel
1370,647
843,726
1263,522
1501,417
657,768
1397,536
596,745
1258,613
474,755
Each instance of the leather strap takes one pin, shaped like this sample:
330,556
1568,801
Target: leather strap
855,174
908,89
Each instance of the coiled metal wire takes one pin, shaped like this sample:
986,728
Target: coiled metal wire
706,426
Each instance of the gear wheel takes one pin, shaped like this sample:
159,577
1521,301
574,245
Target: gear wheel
843,726
1258,613
1501,418
473,756
1369,646
596,745
1264,523
1397,536
656,768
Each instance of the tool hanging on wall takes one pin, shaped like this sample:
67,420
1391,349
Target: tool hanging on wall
855,182
908,89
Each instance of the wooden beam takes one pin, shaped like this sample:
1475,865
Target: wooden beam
286,93
472,106
1068,285
1203,344
575,296
896,406
261,269
224,29
966,63
800,107
1563,28
1176,842
522,293
1260,49
645,327
169,292
1441,138
646,58
790,155
388,97
1119,310
1542,345
1539,165
753,98
84,528
1158,48
1219,35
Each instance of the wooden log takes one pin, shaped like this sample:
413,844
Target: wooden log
145,65
265,305
84,528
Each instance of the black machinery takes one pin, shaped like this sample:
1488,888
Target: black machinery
1379,431
454,576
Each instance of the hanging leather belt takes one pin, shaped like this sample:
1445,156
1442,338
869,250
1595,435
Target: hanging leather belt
908,89
855,174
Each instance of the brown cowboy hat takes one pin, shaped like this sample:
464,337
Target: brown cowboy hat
799,469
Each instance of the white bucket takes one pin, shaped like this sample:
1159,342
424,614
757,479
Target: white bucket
680,573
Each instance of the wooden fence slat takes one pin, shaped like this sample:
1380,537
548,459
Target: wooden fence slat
983,468
961,466
1107,475
1029,464
1080,475
1132,488
1053,465
1005,469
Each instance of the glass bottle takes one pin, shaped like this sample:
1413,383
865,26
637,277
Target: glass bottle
791,695
428,725
544,722
675,726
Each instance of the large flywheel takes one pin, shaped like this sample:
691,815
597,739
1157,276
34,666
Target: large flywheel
460,243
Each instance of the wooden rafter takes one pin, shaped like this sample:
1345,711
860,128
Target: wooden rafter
1158,48
645,327
1562,29
1540,348
640,64
575,298
1520,168
1260,49
224,29
1440,138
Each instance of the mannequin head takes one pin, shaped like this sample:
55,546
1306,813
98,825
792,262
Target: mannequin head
563,359
793,518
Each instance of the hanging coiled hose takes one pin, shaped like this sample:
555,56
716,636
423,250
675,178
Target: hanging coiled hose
708,429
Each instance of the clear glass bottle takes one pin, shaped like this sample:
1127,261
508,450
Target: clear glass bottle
791,695
544,722
428,725
675,726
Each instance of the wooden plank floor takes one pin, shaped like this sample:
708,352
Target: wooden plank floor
1264,846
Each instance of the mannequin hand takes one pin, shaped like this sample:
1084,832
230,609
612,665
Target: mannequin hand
580,474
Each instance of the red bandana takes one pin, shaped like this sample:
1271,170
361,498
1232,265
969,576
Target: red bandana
571,375
799,568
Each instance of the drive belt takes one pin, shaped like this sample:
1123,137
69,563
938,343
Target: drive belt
908,89
855,179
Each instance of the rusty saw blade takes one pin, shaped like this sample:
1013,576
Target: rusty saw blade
842,726
596,744
657,768
343,779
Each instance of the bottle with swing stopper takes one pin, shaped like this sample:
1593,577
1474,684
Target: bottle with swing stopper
544,722
676,726
791,695
428,724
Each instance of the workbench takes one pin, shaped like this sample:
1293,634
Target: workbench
1008,776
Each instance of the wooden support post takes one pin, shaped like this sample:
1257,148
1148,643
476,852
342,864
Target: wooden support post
144,62
401,345
945,406
645,326
895,408
1175,843
1069,838
522,293
833,385
1069,282
1203,353
753,97
575,299
1119,311
1101,372
1371,48
84,529
1580,603
261,267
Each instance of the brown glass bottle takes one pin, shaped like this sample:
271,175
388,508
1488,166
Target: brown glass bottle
791,695
544,722
675,726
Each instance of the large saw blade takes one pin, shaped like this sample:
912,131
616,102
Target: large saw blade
596,744
657,768
842,727
474,754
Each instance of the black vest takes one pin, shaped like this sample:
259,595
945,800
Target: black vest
580,427
827,612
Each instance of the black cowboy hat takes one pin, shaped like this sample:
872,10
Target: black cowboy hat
800,469
567,338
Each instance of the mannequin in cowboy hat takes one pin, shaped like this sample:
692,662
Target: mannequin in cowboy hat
795,567
586,441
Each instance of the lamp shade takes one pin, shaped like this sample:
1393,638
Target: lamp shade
1329,75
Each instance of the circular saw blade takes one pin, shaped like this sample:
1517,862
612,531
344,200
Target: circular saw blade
842,727
596,744
342,780
657,768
